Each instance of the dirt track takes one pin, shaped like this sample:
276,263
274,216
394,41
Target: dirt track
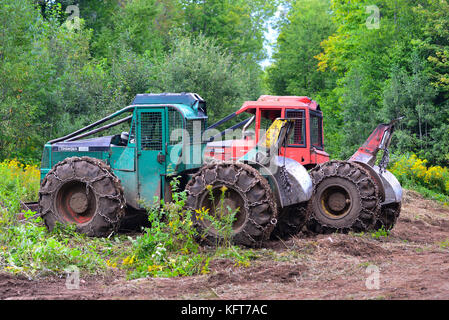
413,263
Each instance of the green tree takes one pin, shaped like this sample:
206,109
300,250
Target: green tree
200,65
295,70
412,95
434,41
237,25
370,38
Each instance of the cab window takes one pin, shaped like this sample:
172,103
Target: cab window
316,130
298,137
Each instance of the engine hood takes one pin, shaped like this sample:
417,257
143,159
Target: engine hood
93,144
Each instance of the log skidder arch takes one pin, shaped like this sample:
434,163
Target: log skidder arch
246,189
83,191
345,198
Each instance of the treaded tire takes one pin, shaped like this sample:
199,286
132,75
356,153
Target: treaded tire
388,216
291,220
345,198
82,191
247,189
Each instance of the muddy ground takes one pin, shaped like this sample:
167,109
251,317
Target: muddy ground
412,263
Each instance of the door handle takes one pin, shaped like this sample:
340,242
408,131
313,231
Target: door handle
161,157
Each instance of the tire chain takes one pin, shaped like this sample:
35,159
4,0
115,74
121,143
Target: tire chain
107,174
334,173
289,228
266,230
389,216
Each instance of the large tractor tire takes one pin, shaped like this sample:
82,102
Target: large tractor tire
82,191
246,192
345,198
291,221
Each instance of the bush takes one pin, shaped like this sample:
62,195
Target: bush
170,248
19,183
201,65
414,172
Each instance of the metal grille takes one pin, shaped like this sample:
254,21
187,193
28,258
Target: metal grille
175,125
194,130
151,131
298,136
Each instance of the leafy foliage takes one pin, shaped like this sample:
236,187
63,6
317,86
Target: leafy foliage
27,247
55,78
295,71
170,247
201,65
375,61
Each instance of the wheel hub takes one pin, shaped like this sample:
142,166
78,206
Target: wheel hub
78,202
335,202
229,203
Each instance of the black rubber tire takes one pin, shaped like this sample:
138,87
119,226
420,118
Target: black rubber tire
76,184
291,221
257,215
361,204
388,216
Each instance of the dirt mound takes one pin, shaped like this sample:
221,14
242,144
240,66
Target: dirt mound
281,273
355,247
16,287
218,265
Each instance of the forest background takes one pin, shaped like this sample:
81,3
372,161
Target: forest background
65,64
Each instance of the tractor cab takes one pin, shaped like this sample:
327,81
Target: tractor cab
156,135
305,144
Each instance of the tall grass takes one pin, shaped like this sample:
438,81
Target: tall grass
27,247
168,248
19,182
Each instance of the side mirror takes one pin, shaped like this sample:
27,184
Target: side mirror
124,136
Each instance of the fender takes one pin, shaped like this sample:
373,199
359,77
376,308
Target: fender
390,188
282,171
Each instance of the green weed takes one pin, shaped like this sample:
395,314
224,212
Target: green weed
444,244
381,233
27,247
170,248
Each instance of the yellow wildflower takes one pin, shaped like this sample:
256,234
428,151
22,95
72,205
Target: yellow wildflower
155,267
129,260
